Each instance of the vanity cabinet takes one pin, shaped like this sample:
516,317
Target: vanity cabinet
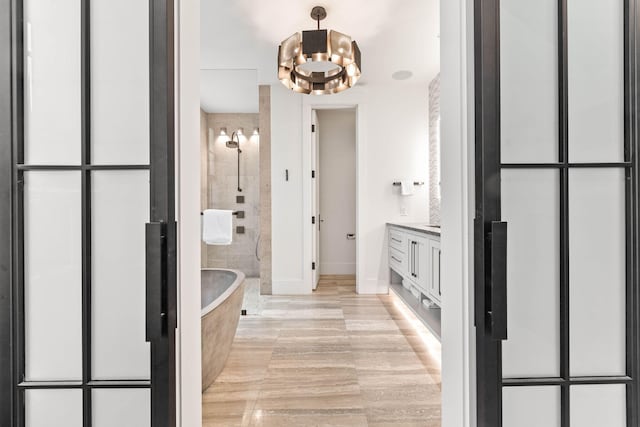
415,256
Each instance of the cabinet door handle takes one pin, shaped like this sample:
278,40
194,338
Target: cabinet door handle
396,240
395,259
416,263
439,273
413,258
411,262
416,251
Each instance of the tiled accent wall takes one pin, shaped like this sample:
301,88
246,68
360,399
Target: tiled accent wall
265,190
222,190
434,151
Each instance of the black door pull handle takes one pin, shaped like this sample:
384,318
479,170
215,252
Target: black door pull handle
498,310
156,280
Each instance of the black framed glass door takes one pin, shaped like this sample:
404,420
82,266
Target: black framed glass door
556,302
89,274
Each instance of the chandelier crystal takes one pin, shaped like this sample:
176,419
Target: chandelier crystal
319,62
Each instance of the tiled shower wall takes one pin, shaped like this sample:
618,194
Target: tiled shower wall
434,151
265,190
222,190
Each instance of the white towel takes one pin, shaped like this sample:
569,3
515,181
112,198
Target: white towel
406,187
217,227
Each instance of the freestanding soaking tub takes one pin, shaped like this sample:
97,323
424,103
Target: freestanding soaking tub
222,294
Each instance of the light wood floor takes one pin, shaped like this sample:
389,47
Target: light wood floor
333,358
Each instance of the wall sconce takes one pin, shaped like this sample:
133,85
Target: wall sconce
256,131
240,131
223,131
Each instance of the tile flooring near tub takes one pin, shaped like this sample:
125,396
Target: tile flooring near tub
333,358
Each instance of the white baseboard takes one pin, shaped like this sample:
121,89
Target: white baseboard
340,268
290,287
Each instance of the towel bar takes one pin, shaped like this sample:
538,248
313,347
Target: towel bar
415,183
233,213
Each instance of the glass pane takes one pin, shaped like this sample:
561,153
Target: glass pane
53,276
531,406
53,408
597,271
53,119
121,408
598,406
529,80
120,209
530,205
596,80
120,82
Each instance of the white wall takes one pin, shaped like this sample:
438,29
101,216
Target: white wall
458,346
337,174
286,196
392,145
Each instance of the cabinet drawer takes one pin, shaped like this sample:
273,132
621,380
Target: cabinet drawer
398,240
398,261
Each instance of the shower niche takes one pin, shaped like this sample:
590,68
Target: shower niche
230,164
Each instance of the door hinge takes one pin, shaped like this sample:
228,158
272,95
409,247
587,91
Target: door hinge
313,265
313,174
313,220
313,128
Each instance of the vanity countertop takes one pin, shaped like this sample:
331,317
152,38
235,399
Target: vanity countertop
423,228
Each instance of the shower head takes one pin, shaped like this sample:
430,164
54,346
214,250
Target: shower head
234,141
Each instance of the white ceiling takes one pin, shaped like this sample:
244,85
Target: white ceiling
244,34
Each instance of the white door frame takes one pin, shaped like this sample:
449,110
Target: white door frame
307,189
315,199
457,213
188,346
458,386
